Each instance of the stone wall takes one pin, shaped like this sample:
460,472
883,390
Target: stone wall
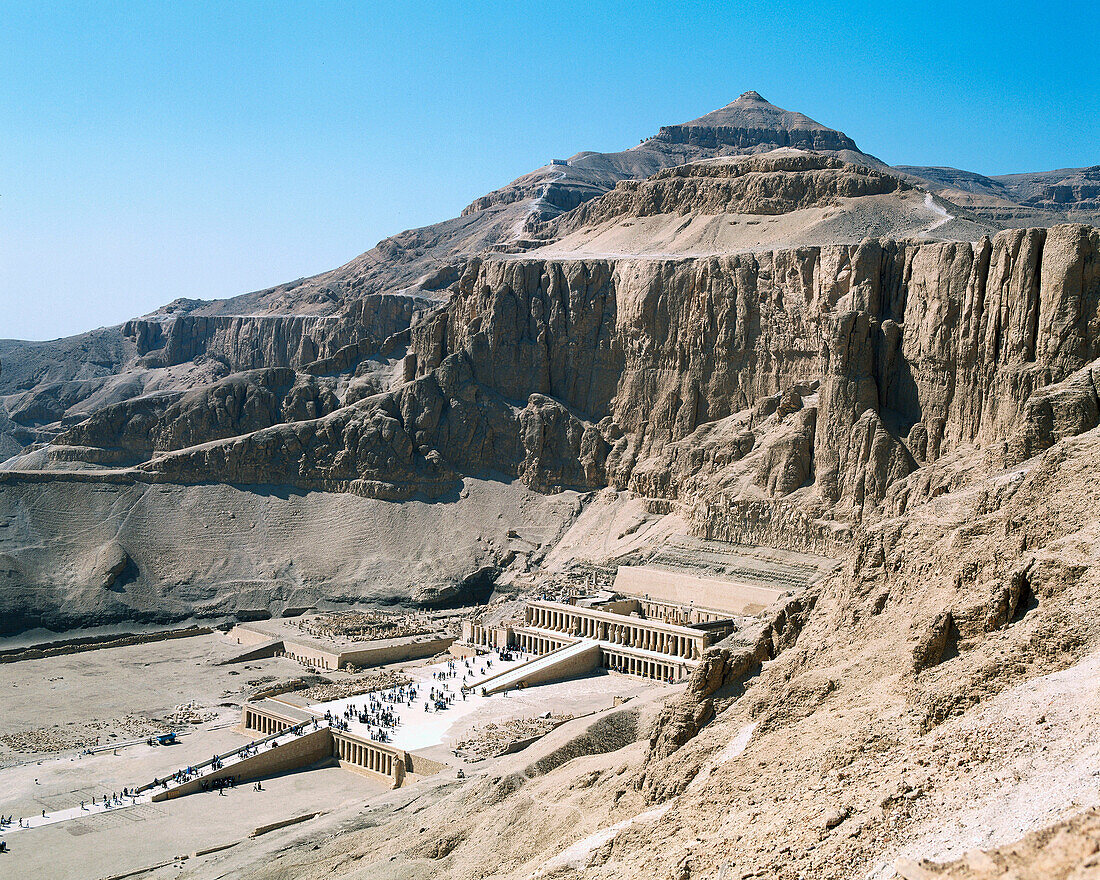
303,751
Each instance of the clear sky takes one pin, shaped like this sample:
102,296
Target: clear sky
156,150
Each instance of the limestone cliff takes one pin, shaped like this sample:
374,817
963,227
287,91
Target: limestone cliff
775,184
843,370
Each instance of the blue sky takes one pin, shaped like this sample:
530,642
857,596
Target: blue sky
156,150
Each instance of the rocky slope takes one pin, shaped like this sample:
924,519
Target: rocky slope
1019,199
83,552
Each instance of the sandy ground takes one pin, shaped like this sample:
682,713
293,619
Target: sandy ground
95,694
148,834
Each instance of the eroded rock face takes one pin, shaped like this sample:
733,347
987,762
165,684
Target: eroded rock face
751,123
769,185
240,404
247,342
600,372
1063,409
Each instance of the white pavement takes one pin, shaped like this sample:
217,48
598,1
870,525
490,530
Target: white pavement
417,729
76,812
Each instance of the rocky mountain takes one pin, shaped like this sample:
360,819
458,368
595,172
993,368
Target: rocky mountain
1019,199
44,383
743,315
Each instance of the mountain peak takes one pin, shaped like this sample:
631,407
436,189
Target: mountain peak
752,123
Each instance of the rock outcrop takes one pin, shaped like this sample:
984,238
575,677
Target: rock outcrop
767,185
590,373
752,124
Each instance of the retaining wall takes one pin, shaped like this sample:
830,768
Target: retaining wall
95,643
303,751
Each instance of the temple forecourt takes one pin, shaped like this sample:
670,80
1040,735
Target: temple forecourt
404,697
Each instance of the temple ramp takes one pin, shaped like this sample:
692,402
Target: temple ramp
573,660
297,751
